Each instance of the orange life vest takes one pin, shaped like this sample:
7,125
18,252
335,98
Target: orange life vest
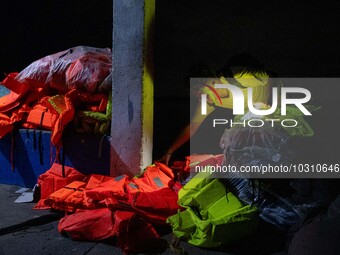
111,187
150,196
13,99
53,180
6,125
59,199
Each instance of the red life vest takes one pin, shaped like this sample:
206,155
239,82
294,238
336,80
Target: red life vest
133,234
110,187
10,102
75,201
98,186
79,194
150,196
58,199
6,125
95,102
18,90
53,180
203,160
88,225
63,106
131,207
40,117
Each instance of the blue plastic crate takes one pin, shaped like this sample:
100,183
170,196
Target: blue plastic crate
30,153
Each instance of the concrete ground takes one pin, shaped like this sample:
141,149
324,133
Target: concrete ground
42,236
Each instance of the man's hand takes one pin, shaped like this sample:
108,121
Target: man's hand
165,158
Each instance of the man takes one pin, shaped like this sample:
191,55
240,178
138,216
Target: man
241,70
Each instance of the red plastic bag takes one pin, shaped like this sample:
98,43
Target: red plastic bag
88,72
37,72
81,67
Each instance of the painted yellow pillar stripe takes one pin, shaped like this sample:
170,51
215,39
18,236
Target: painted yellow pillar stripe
148,83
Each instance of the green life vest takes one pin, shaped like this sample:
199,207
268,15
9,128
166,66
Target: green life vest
213,215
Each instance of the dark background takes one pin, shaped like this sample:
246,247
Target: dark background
292,38
33,29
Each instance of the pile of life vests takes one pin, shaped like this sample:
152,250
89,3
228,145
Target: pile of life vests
203,212
99,207
58,89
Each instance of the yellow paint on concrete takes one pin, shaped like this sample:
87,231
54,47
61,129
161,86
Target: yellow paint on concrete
148,84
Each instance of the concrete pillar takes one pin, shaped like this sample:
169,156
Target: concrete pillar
132,86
